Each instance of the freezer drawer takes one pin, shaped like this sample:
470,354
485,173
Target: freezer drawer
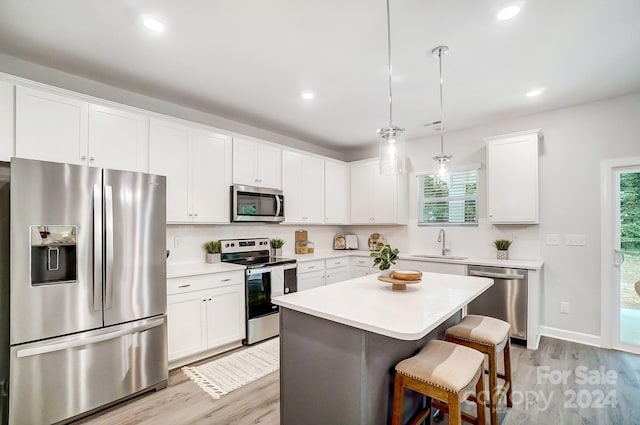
506,300
53,380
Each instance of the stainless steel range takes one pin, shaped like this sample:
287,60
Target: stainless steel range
266,277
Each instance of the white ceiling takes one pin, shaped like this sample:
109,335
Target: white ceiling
250,60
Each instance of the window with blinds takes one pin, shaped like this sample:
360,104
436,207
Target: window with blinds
453,202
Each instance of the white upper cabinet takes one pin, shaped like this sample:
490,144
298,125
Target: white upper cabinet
512,178
118,139
7,120
256,164
376,198
196,162
336,192
303,186
51,127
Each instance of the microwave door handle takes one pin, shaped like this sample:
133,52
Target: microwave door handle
97,247
108,270
278,205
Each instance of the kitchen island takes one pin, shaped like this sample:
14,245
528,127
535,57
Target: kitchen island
339,344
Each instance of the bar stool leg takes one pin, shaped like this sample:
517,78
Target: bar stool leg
480,398
507,371
398,400
493,384
455,413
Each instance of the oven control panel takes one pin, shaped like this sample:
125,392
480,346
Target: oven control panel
244,245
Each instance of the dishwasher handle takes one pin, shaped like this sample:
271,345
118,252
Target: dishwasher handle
508,276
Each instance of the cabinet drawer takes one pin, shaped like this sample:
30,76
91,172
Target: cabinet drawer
362,261
310,266
181,285
332,263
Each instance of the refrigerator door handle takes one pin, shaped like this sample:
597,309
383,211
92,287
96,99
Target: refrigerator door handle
79,342
97,247
108,271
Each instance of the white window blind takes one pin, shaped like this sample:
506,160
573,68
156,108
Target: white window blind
455,202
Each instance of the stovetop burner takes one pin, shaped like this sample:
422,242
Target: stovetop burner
253,253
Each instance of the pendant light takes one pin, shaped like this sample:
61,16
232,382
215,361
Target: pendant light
391,141
442,161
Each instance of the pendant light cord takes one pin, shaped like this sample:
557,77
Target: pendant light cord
390,67
441,107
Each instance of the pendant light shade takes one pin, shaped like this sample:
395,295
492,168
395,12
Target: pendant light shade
391,138
442,161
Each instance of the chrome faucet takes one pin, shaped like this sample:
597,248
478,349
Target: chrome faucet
442,238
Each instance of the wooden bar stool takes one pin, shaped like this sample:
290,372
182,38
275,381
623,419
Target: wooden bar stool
489,336
443,371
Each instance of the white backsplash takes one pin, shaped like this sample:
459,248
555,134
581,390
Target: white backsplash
185,241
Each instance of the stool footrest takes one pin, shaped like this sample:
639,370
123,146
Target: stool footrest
445,409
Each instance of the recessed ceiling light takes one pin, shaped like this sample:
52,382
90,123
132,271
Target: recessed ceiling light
535,92
508,12
153,24
307,95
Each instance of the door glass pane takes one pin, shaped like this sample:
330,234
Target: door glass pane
259,295
630,268
256,204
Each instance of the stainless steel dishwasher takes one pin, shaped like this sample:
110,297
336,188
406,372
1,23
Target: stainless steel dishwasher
505,300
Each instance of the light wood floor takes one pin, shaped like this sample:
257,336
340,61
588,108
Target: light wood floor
258,403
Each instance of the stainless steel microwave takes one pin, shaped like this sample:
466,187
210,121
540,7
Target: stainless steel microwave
249,203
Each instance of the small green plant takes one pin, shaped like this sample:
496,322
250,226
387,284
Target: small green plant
385,256
502,244
212,247
276,243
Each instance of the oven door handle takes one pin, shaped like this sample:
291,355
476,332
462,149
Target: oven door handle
253,272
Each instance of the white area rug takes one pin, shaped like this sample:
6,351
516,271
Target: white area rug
221,376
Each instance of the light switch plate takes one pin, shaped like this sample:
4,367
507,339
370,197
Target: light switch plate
576,240
553,239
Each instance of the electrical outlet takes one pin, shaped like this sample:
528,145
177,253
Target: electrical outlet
564,307
553,239
576,240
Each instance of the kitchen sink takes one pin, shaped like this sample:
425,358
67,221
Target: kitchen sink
444,257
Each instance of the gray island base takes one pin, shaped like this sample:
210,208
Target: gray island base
340,344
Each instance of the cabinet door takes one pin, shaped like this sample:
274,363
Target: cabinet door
336,190
168,156
210,159
362,266
310,280
362,192
118,139
312,189
186,324
336,275
384,194
7,120
512,179
245,162
50,127
269,169
292,186
225,315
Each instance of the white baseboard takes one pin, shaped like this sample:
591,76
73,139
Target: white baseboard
572,336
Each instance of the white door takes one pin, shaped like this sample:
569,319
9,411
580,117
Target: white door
269,166
169,156
336,189
362,193
118,139
225,316
50,127
245,162
626,258
312,189
186,324
210,183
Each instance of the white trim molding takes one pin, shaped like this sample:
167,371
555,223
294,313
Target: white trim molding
579,337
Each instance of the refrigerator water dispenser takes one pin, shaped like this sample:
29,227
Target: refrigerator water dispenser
53,255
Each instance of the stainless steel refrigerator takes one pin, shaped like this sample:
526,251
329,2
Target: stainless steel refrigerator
87,289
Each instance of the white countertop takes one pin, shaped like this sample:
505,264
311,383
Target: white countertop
191,269
329,253
369,304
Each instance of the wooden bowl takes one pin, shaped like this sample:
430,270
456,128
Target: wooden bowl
409,275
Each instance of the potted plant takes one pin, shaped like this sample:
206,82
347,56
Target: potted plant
276,247
384,257
213,251
502,245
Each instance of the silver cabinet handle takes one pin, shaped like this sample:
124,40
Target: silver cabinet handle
195,215
226,280
311,267
496,275
83,157
184,286
91,158
108,272
79,342
97,247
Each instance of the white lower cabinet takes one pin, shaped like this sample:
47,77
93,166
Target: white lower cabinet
337,270
362,266
205,312
310,280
